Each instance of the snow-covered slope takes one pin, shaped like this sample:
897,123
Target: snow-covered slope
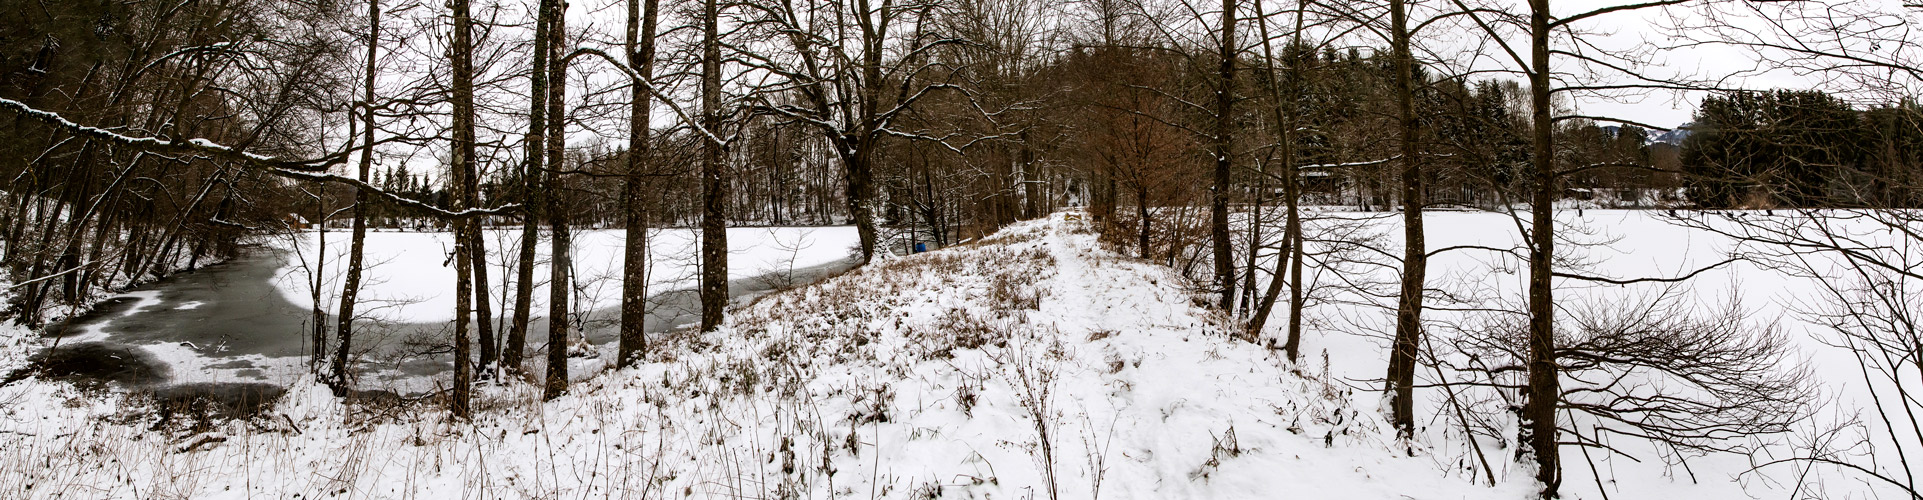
979,371
1031,364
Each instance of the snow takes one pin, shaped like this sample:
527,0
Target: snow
918,375
1355,329
936,375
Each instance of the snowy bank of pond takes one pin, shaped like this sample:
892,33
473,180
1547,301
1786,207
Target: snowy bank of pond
250,320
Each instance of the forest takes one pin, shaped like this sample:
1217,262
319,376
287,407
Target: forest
1304,167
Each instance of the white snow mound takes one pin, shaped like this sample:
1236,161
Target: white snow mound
981,371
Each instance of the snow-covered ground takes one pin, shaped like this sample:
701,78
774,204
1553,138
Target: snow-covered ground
967,373
1355,329
978,371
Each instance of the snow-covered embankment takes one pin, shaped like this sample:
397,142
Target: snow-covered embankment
1029,365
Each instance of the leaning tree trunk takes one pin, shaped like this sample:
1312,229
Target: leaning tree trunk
350,288
1288,261
531,198
106,233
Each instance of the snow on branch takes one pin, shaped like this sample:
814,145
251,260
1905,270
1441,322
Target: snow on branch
196,146
310,170
402,200
1332,166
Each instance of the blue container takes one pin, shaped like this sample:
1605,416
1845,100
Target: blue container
921,247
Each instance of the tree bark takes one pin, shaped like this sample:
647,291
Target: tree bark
1289,259
1219,194
531,172
634,259
860,196
1031,180
1142,216
714,182
350,288
319,312
462,51
483,309
1542,393
562,243
1408,339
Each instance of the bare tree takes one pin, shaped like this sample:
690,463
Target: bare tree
350,288
561,243
642,16
714,177
532,172
841,58
461,50
1224,142
1542,391
1862,258
1415,253
1289,258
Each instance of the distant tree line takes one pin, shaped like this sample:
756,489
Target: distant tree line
1803,149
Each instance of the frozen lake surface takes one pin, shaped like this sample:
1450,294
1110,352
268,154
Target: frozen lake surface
249,320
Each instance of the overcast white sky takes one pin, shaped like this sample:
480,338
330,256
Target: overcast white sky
1669,108
1625,31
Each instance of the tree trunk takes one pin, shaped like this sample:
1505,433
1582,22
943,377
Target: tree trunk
320,270
562,243
1408,339
1142,216
1289,260
1031,181
36,293
1219,194
1293,346
462,51
531,198
1255,245
483,309
105,233
634,259
1539,405
350,288
714,196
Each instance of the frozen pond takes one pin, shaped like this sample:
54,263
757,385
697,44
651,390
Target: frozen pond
234,322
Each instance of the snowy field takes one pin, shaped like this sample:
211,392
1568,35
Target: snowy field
1031,365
